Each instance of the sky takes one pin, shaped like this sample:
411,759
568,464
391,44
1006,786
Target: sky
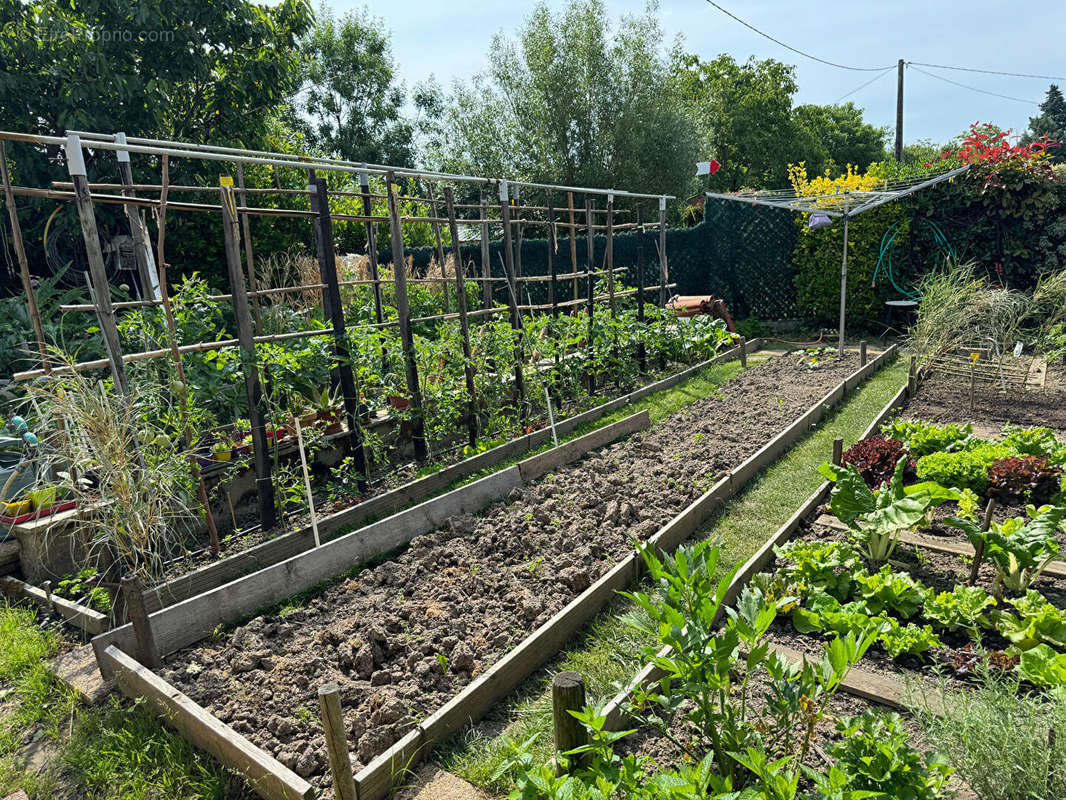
451,40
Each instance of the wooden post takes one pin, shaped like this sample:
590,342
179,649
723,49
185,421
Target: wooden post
142,251
464,327
371,245
486,257
838,451
512,298
440,245
268,514
862,353
20,255
642,352
590,270
568,694
912,377
743,344
328,267
105,313
133,595
518,235
573,239
979,549
340,760
403,311
553,291
664,268
249,255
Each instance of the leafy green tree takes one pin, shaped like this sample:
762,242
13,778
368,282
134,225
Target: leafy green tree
574,99
350,102
1051,122
841,134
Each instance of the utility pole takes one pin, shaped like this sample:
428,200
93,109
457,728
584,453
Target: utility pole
899,111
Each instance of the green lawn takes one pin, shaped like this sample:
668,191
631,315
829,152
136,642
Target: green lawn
608,653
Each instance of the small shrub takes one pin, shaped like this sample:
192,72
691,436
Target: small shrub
967,469
1026,478
876,459
875,757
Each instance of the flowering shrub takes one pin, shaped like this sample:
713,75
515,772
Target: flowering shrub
850,181
989,149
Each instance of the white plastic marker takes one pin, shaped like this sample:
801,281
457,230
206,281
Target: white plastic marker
307,481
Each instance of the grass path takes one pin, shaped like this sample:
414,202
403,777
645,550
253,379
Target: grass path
608,654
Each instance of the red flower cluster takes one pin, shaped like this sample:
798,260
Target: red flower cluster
988,146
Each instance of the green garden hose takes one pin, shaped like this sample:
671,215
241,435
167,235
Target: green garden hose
888,246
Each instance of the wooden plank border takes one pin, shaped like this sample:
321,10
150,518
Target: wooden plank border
376,779
184,623
269,778
87,619
291,544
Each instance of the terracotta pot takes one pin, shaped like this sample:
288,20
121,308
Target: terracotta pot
399,402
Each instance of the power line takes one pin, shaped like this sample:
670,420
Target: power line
863,86
793,49
972,88
991,72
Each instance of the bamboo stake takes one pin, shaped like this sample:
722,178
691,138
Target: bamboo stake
307,482
512,298
464,327
403,309
573,239
246,229
486,261
664,269
20,255
440,245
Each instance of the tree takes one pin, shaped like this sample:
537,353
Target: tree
840,132
1051,123
576,101
350,101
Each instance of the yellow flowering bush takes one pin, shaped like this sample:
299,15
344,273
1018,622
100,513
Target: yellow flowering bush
828,188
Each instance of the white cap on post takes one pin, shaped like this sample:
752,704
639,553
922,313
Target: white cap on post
662,203
123,155
75,157
503,191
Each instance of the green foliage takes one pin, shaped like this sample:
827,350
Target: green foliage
924,438
79,585
826,565
1043,666
961,608
1034,442
875,755
909,639
1037,621
891,591
966,470
1020,549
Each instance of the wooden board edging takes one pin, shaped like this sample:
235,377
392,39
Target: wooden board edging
270,779
291,544
88,619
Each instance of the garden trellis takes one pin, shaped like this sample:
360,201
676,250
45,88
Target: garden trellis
234,202
841,205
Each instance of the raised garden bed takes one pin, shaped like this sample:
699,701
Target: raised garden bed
495,577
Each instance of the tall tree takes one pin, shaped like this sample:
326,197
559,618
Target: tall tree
351,103
841,137
1051,122
572,99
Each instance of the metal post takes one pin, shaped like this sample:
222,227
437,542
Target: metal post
664,268
403,311
899,111
256,407
371,245
843,283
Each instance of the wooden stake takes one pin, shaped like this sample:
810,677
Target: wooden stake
464,327
642,353
340,761
664,269
573,239
568,694
591,270
403,310
135,217
862,353
743,344
268,514
307,482
328,268
912,377
518,235
440,246
97,276
979,548
249,255
838,451
512,298
371,245
133,595
553,291
486,259
20,255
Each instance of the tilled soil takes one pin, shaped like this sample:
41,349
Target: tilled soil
402,638
947,399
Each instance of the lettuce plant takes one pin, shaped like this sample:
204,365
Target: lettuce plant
909,639
1028,478
827,566
923,438
967,469
1037,621
885,513
876,459
891,591
963,607
1043,666
1019,549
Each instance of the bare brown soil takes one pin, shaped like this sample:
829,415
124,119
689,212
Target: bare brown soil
402,638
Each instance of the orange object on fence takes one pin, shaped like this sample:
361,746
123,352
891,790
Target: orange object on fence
691,305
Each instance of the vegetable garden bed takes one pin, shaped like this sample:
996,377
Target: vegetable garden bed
388,635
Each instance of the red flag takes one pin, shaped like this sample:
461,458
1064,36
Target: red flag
715,166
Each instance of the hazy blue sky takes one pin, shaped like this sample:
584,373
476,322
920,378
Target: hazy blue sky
451,39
